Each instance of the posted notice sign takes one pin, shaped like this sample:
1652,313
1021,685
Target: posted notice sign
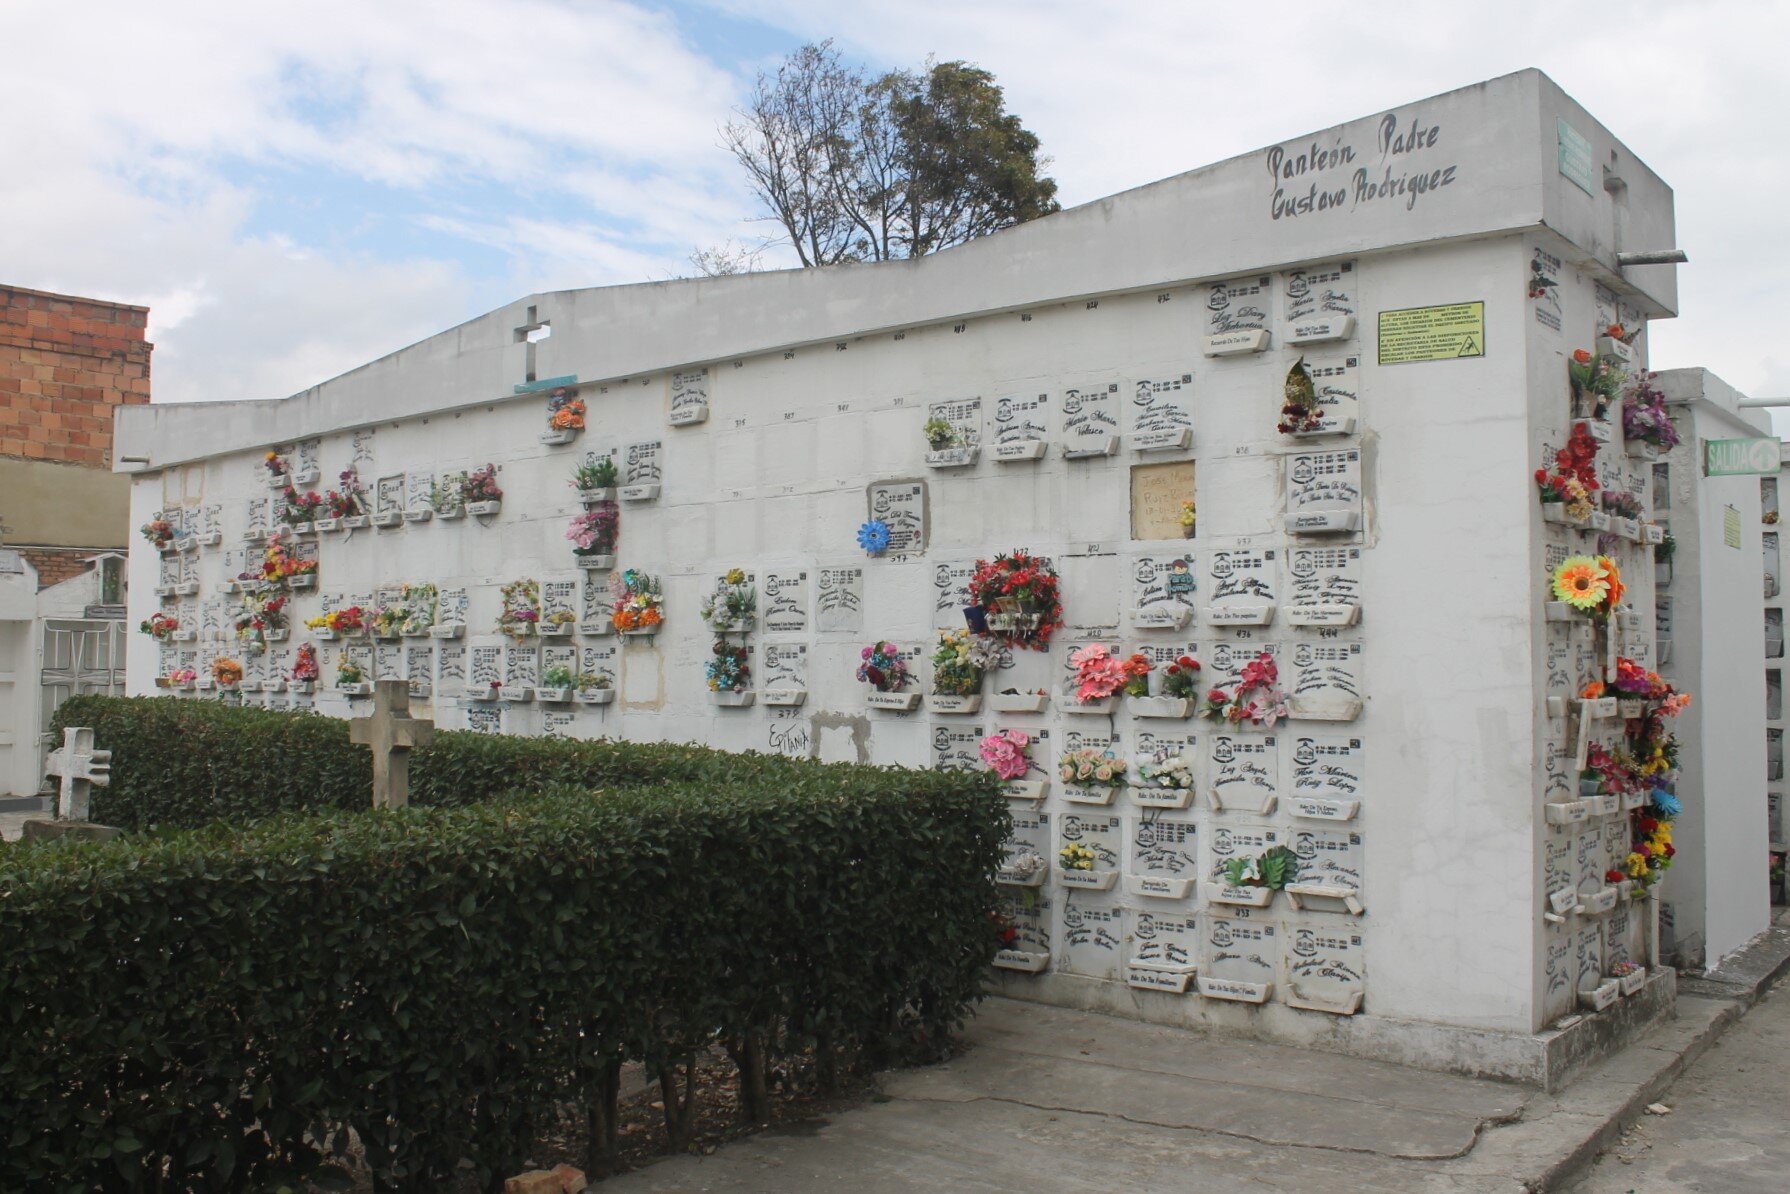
1442,333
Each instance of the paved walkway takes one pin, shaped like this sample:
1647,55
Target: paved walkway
1729,1127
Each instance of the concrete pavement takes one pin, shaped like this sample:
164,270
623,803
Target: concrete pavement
1729,1126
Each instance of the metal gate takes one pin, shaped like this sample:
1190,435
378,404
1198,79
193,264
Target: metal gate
80,656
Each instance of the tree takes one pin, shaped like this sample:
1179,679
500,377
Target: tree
874,170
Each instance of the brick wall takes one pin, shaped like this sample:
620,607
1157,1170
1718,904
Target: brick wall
65,364
57,564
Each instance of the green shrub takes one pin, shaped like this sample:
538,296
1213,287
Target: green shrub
215,1009
179,763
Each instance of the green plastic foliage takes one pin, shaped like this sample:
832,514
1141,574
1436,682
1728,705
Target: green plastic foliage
215,1008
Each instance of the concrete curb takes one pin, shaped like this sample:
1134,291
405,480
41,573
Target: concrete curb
1559,1136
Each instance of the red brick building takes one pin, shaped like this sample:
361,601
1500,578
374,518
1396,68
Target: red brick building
66,365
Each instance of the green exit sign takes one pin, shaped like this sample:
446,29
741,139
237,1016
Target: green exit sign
1740,457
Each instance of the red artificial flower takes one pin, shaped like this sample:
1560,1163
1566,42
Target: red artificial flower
1581,356
1612,876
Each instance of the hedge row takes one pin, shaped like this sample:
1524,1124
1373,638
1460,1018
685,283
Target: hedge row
214,1010
179,763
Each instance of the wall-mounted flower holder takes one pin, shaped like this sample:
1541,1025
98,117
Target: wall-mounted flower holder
1616,350
555,629
1303,894
1605,804
451,514
1598,902
410,630
1653,534
1324,614
1346,1004
893,702
205,684
1632,982
591,497
1319,708
302,582
1230,344
321,526
185,636
648,633
187,588
448,630
1323,522
277,636
1161,887
961,456
599,628
639,493
1560,611
1024,449
303,687
1319,808
388,518
1159,706
1100,708
171,547
357,522
1567,812
520,693
741,624
1235,990
554,696
1342,426
253,536
232,586
1600,430
1173,980
481,692
1032,790
186,543
1089,794
1261,807
275,685
1643,449
1601,997
1167,615
1322,331
1629,528
483,509
1602,522
1557,513
1086,447
165,590
1030,878
596,696
307,476
1162,797
1175,439
423,515
326,634
690,415
1018,702
1088,880
387,634
1242,897
1240,614
419,689
1633,800
732,700
363,688
247,686
597,562
563,435
1024,961
785,697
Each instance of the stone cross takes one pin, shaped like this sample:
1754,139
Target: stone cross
532,332
79,767
392,733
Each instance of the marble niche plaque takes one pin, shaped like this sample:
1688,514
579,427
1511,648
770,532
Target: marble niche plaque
1325,968
1021,427
1090,420
1237,316
1318,303
1161,413
1240,957
1326,778
1242,588
902,506
1164,949
1324,492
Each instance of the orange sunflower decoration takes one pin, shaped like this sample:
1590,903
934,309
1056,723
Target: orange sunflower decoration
1583,582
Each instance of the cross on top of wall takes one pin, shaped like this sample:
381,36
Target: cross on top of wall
532,332
391,733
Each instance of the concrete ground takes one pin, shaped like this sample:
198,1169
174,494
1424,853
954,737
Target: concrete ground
1047,1100
1729,1122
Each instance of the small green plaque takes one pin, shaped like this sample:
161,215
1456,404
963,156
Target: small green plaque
1741,457
1575,157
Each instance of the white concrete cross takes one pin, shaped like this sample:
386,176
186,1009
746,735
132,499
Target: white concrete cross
532,332
392,733
79,767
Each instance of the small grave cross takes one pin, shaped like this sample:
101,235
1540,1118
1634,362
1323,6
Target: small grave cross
79,767
391,733
532,332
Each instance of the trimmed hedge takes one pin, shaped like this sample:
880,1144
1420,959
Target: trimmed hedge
181,763
215,1009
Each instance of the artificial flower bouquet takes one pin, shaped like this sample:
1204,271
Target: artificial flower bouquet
1256,700
729,668
1018,598
639,605
733,606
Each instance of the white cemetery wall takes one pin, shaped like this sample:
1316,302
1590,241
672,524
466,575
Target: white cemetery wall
1717,889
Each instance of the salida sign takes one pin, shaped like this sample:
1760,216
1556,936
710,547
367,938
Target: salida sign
1318,177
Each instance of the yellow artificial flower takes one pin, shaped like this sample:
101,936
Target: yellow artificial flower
1581,582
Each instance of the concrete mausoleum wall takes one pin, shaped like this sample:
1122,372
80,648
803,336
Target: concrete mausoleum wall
1088,323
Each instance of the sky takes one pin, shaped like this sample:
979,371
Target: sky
296,189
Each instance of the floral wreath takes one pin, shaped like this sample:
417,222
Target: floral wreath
1019,598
